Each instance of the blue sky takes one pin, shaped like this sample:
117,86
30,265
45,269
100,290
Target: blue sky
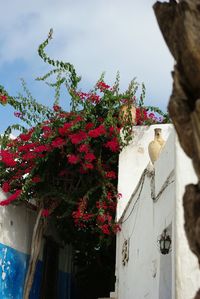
95,36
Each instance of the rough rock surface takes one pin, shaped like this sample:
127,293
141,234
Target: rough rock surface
179,22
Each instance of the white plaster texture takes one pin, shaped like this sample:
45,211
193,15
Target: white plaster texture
16,227
134,159
148,273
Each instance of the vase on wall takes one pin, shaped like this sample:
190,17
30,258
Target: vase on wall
156,145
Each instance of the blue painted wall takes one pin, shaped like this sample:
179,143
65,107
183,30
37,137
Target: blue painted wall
13,267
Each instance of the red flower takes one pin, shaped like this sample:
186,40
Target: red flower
36,179
109,196
28,170
82,95
89,126
112,130
25,137
7,158
105,229
11,198
84,148
113,145
6,187
94,98
77,137
101,218
65,129
90,157
97,132
29,156
102,86
73,159
56,108
26,147
116,228
3,99
42,148
141,116
45,213
58,142
88,166
111,175
77,119
101,205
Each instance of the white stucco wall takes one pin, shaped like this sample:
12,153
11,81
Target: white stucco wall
16,227
134,159
148,274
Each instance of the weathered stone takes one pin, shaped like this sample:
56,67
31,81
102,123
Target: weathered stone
179,22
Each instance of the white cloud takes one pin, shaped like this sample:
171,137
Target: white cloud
96,36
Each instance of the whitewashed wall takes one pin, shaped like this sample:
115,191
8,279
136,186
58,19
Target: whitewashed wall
148,274
16,227
134,159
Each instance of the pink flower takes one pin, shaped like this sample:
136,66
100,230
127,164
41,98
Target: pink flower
18,114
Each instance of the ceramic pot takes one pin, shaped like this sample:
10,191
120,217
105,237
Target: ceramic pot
156,145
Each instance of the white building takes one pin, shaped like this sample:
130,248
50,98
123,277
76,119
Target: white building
150,203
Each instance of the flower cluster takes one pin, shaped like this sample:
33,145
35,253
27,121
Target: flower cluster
68,161
73,155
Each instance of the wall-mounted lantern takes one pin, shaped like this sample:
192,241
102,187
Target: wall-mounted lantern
164,242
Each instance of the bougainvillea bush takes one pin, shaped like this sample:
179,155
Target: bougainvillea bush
65,163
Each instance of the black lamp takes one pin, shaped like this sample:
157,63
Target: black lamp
165,242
